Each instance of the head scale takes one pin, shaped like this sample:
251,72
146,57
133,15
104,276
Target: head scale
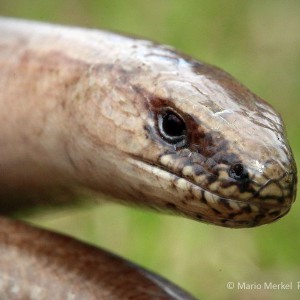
225,147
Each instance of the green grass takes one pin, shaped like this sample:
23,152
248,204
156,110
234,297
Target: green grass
258,42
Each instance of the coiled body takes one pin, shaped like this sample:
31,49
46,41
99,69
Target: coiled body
86,111
36,264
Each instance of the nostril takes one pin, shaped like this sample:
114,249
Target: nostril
238,172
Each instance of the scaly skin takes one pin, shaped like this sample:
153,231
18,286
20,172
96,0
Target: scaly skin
80,112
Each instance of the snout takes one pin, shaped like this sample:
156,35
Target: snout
275,189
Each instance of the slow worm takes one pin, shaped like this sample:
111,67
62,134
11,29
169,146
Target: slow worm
87,111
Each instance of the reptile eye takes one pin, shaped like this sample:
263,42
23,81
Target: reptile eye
172,127
238,172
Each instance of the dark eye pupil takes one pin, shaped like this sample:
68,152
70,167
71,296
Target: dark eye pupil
238,172
172,127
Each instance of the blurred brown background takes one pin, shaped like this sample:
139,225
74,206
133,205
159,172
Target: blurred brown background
257,42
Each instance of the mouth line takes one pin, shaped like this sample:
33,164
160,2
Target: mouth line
220,199
215,209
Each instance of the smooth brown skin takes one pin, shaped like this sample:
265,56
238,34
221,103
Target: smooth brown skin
80,113
39,265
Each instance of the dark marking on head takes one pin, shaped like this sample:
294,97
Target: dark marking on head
225,203
231,215
216,211
198,170
275,213
258,217
203,198
247,209
199,217
171,206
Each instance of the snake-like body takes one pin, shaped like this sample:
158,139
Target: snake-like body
88,111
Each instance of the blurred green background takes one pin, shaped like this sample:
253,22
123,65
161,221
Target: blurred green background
259,43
